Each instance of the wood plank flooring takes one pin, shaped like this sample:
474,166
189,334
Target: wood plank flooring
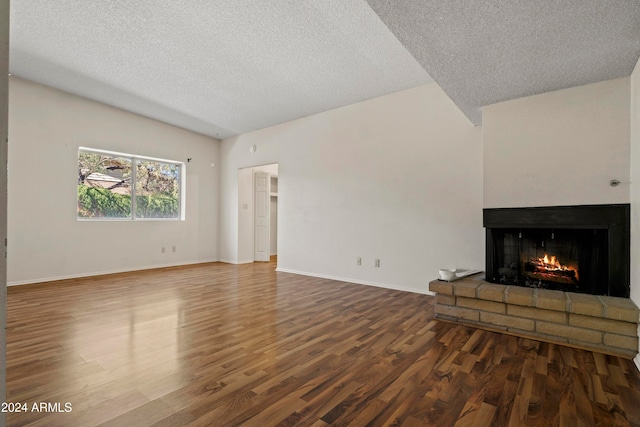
225,345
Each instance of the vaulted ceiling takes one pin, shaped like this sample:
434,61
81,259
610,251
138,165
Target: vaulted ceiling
227,68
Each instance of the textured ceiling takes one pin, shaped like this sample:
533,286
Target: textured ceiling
217,68
226,68
487,51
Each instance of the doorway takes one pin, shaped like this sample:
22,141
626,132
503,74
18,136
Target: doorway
258,213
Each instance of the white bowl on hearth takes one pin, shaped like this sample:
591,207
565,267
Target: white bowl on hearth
446,274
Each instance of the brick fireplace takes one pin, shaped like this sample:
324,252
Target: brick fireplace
602,323
558,274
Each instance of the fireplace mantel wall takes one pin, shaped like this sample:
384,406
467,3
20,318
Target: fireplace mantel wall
591,133
558,148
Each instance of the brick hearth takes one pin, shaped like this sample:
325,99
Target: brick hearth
605,324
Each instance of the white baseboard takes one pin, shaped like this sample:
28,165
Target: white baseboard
636,360
227,261
102,273
357,281
284,270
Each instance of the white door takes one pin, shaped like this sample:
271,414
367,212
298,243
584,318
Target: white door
262,216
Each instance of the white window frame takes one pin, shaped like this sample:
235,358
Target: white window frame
134,158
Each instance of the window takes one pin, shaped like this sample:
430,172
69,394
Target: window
125,186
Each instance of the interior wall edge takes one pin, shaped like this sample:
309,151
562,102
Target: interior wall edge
106,272
358,282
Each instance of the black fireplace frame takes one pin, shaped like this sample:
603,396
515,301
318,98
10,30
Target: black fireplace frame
615,218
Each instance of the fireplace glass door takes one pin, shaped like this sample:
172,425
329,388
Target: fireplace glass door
571,260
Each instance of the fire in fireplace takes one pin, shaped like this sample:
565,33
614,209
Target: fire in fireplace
571,260
549,269
570,248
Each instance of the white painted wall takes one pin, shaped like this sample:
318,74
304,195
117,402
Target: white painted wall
397,178
558,148
635,190
4,91
46,242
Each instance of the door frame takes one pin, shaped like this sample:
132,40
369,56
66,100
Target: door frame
245,252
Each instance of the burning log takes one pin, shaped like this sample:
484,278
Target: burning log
550,270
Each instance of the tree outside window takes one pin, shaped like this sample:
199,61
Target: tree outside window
105,189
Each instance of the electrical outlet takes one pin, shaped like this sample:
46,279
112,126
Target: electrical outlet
162,250
377,263
358,261
173,248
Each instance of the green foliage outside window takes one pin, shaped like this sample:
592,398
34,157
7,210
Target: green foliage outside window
105,190
157,206
101,203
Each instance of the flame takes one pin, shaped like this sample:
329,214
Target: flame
551,263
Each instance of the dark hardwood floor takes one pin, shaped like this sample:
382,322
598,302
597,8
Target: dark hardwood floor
224,345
